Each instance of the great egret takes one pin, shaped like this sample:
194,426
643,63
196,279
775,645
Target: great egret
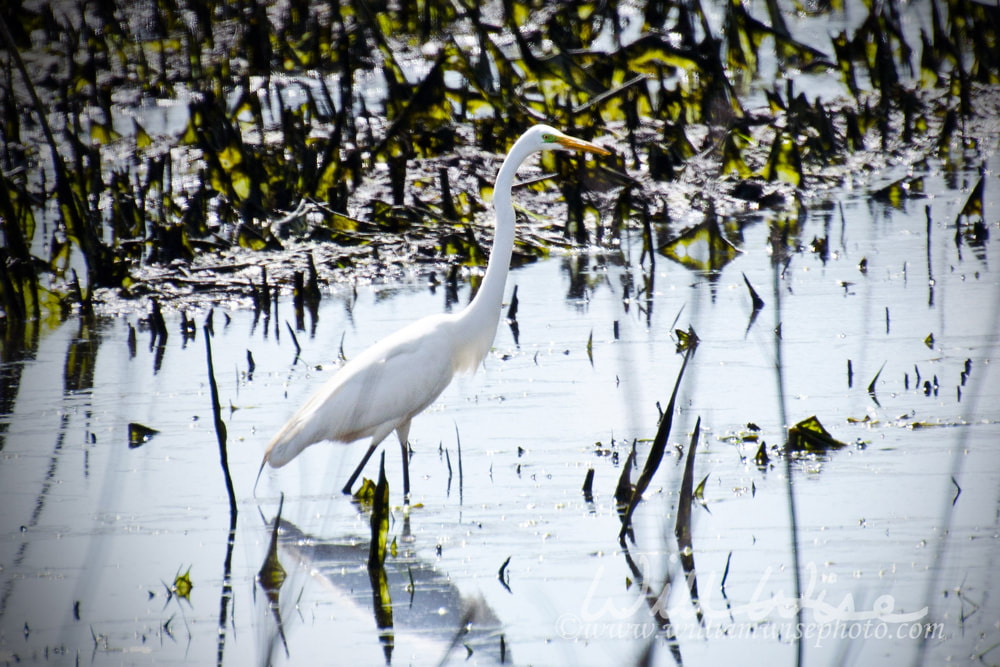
387,385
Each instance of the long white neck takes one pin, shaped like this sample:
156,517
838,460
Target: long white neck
480,318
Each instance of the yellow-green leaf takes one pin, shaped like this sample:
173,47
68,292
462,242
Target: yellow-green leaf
699,492
241,183
142,139
809,435
182,585
230,156
366,492
784,163
101,133
732,158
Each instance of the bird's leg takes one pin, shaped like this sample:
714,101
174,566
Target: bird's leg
403,431
357,471
406,472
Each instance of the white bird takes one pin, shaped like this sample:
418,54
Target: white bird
382,389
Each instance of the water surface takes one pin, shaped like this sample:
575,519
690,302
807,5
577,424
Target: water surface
897,533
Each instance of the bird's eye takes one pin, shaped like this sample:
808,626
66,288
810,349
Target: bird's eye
548,138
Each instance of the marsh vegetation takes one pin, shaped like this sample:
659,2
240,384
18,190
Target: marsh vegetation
792,236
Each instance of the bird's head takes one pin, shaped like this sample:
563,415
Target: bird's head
549,138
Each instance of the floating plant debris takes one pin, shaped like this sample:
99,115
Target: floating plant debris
686,340
625,489
365,495
871,385
182,585
761,458
139,435
503,576
810,436
588,485
699,493
755,299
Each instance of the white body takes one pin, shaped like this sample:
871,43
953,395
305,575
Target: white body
384,387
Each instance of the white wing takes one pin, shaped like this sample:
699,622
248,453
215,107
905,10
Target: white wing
376,391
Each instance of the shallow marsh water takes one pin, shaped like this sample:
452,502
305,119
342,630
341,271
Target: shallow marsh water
94,532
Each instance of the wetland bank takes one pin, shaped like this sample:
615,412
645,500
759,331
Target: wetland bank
808,189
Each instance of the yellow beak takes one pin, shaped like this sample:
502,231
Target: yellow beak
575,144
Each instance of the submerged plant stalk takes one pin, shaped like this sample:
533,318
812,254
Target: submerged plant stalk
220,429
655,451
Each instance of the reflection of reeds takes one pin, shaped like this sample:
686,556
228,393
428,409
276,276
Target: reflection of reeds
220,428
780,260
959,456
271,576
220,432
682,526
381,597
